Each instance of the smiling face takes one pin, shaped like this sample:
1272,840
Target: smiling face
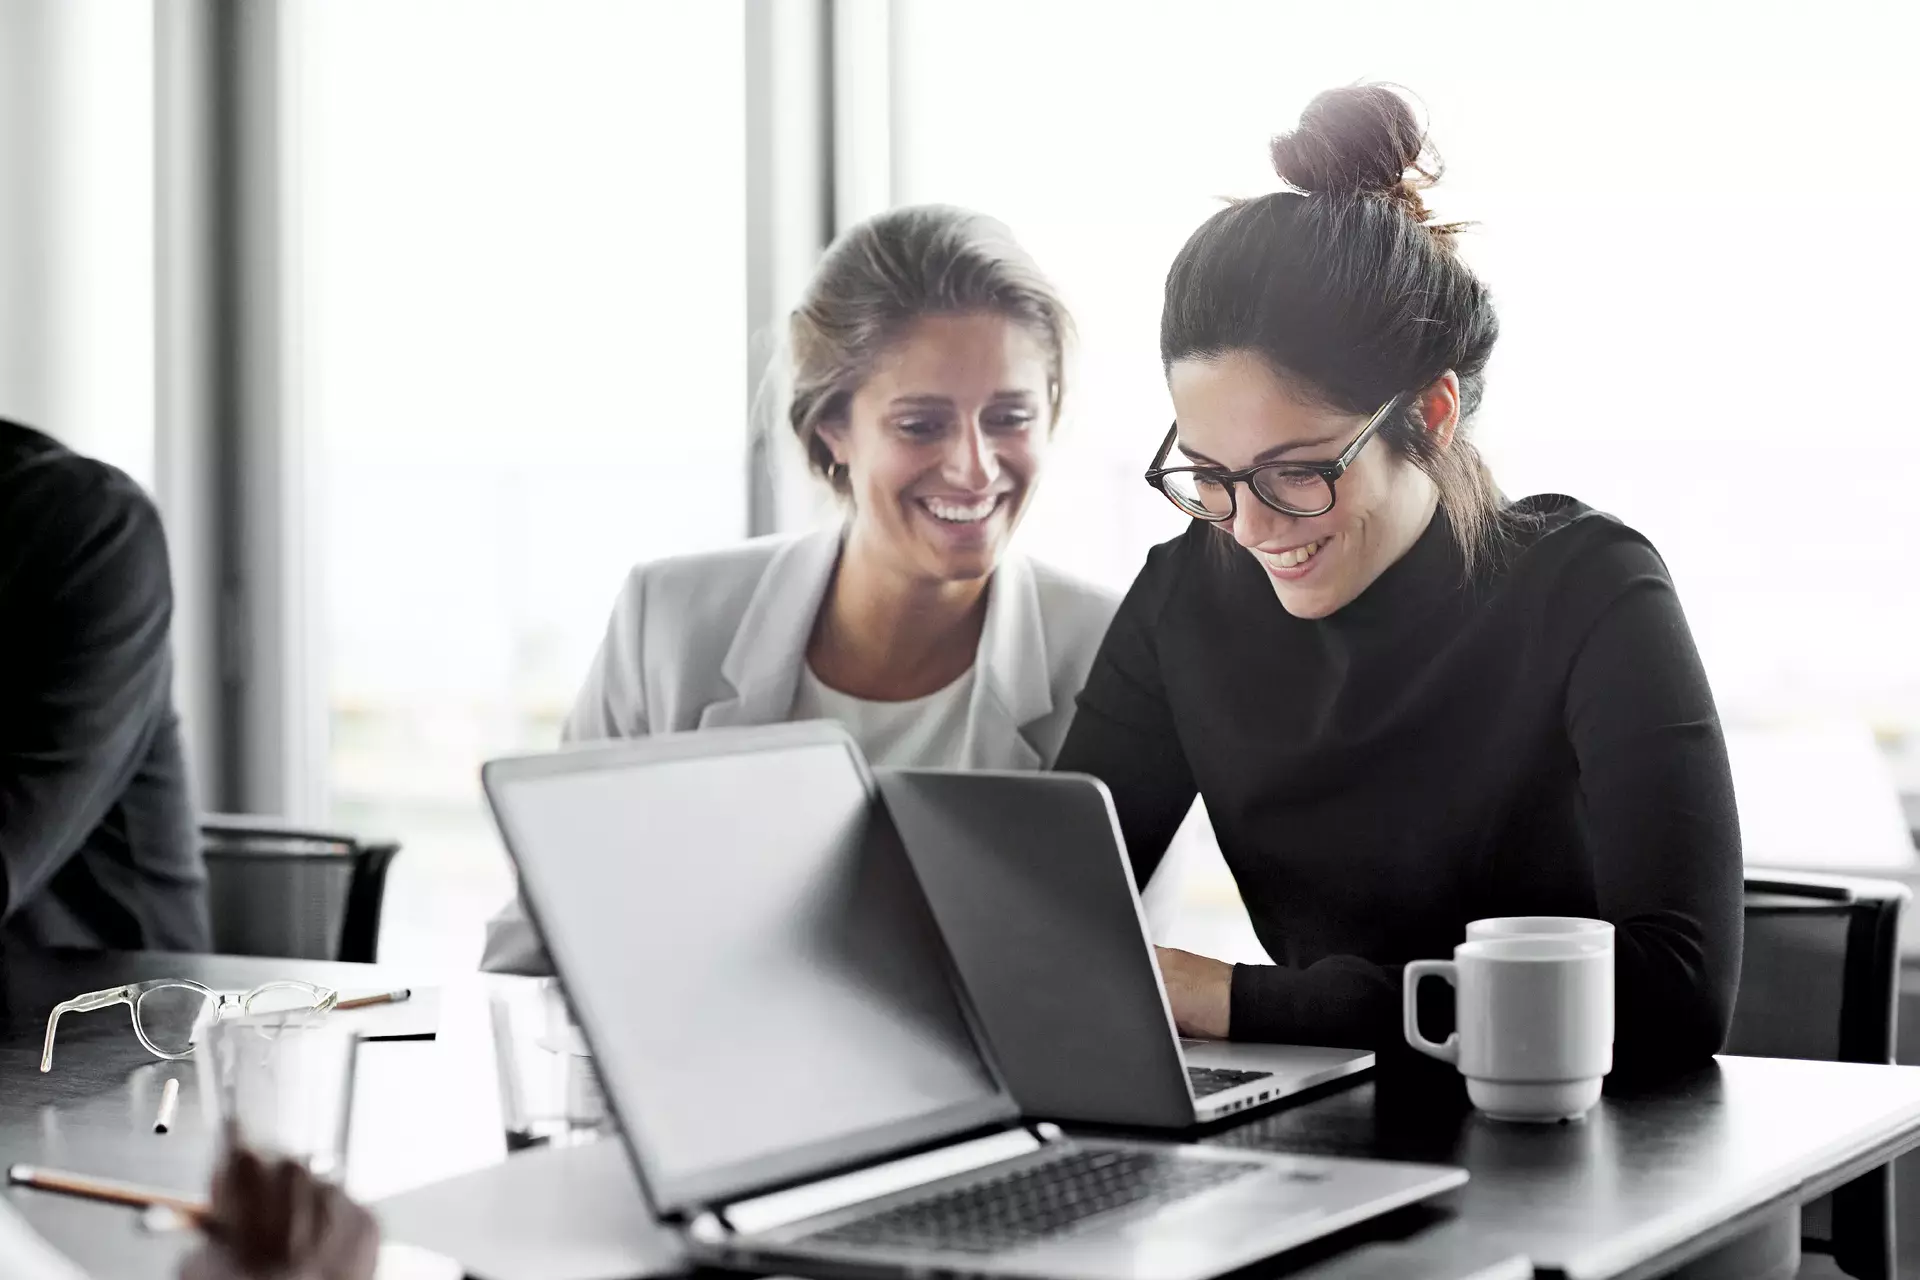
1235,411
943,443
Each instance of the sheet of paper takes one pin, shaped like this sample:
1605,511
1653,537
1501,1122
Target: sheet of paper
560,1213
410,1262
442,1091
415,1018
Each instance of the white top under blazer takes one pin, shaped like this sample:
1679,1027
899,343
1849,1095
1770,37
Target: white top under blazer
922,733
720,638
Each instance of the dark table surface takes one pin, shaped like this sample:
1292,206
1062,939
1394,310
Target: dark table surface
1652,1179
423,1110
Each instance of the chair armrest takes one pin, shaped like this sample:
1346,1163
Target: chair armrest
1824,888
250,826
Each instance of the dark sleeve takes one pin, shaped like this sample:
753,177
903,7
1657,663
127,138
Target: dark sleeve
1123,732
1340,1000
89,604
1657,804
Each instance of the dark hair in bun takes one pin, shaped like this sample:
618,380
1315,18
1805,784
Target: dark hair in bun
1361,140
1342,284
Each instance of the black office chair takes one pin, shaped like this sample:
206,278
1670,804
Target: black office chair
1820,980
278,889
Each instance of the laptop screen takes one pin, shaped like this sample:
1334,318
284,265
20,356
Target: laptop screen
748,952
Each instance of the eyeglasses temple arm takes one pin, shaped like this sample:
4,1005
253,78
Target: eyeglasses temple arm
324,998
1166,447
1381,417
79,1004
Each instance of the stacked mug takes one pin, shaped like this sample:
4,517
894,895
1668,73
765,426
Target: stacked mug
1533,999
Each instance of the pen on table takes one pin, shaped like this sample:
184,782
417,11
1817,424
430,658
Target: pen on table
385,997
127,1193
169,1096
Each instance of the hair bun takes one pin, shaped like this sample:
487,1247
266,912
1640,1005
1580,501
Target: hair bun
1362,139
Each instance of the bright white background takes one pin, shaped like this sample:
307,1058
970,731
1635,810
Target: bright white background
1695,222
1695,219
525,353
76,225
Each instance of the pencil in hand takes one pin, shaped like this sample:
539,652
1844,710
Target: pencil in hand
89,1188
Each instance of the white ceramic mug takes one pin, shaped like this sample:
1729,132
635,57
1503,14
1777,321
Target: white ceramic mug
1540,926
1534,1019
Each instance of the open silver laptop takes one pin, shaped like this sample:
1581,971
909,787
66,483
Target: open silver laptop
791,1058
1028,877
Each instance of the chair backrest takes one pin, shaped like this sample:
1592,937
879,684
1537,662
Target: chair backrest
1820,973
1819,978
277,889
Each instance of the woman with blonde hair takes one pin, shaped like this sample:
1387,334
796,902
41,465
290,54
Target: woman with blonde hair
929,368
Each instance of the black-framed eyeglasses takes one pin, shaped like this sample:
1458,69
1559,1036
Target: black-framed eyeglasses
1291,488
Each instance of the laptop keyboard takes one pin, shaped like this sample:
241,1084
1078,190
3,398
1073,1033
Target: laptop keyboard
1037,1202
1206,1080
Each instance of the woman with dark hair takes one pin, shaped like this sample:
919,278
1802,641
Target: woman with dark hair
928,363
1407,702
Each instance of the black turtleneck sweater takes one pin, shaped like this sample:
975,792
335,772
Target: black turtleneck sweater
1539,740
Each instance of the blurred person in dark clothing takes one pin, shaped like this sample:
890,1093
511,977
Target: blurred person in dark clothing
97,844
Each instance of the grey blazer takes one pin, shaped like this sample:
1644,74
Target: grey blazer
718,638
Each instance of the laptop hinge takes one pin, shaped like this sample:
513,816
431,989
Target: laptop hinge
779,1208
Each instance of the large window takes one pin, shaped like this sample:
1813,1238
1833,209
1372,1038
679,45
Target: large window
523,229
77,225
1693,219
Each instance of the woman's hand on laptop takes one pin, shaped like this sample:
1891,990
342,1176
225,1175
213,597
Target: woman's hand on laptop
1200,989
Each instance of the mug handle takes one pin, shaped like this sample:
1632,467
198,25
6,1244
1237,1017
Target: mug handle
1449,1050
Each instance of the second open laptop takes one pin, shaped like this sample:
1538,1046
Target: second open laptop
1028,876
793,1063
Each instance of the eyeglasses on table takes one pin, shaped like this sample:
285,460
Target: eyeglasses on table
168,1012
